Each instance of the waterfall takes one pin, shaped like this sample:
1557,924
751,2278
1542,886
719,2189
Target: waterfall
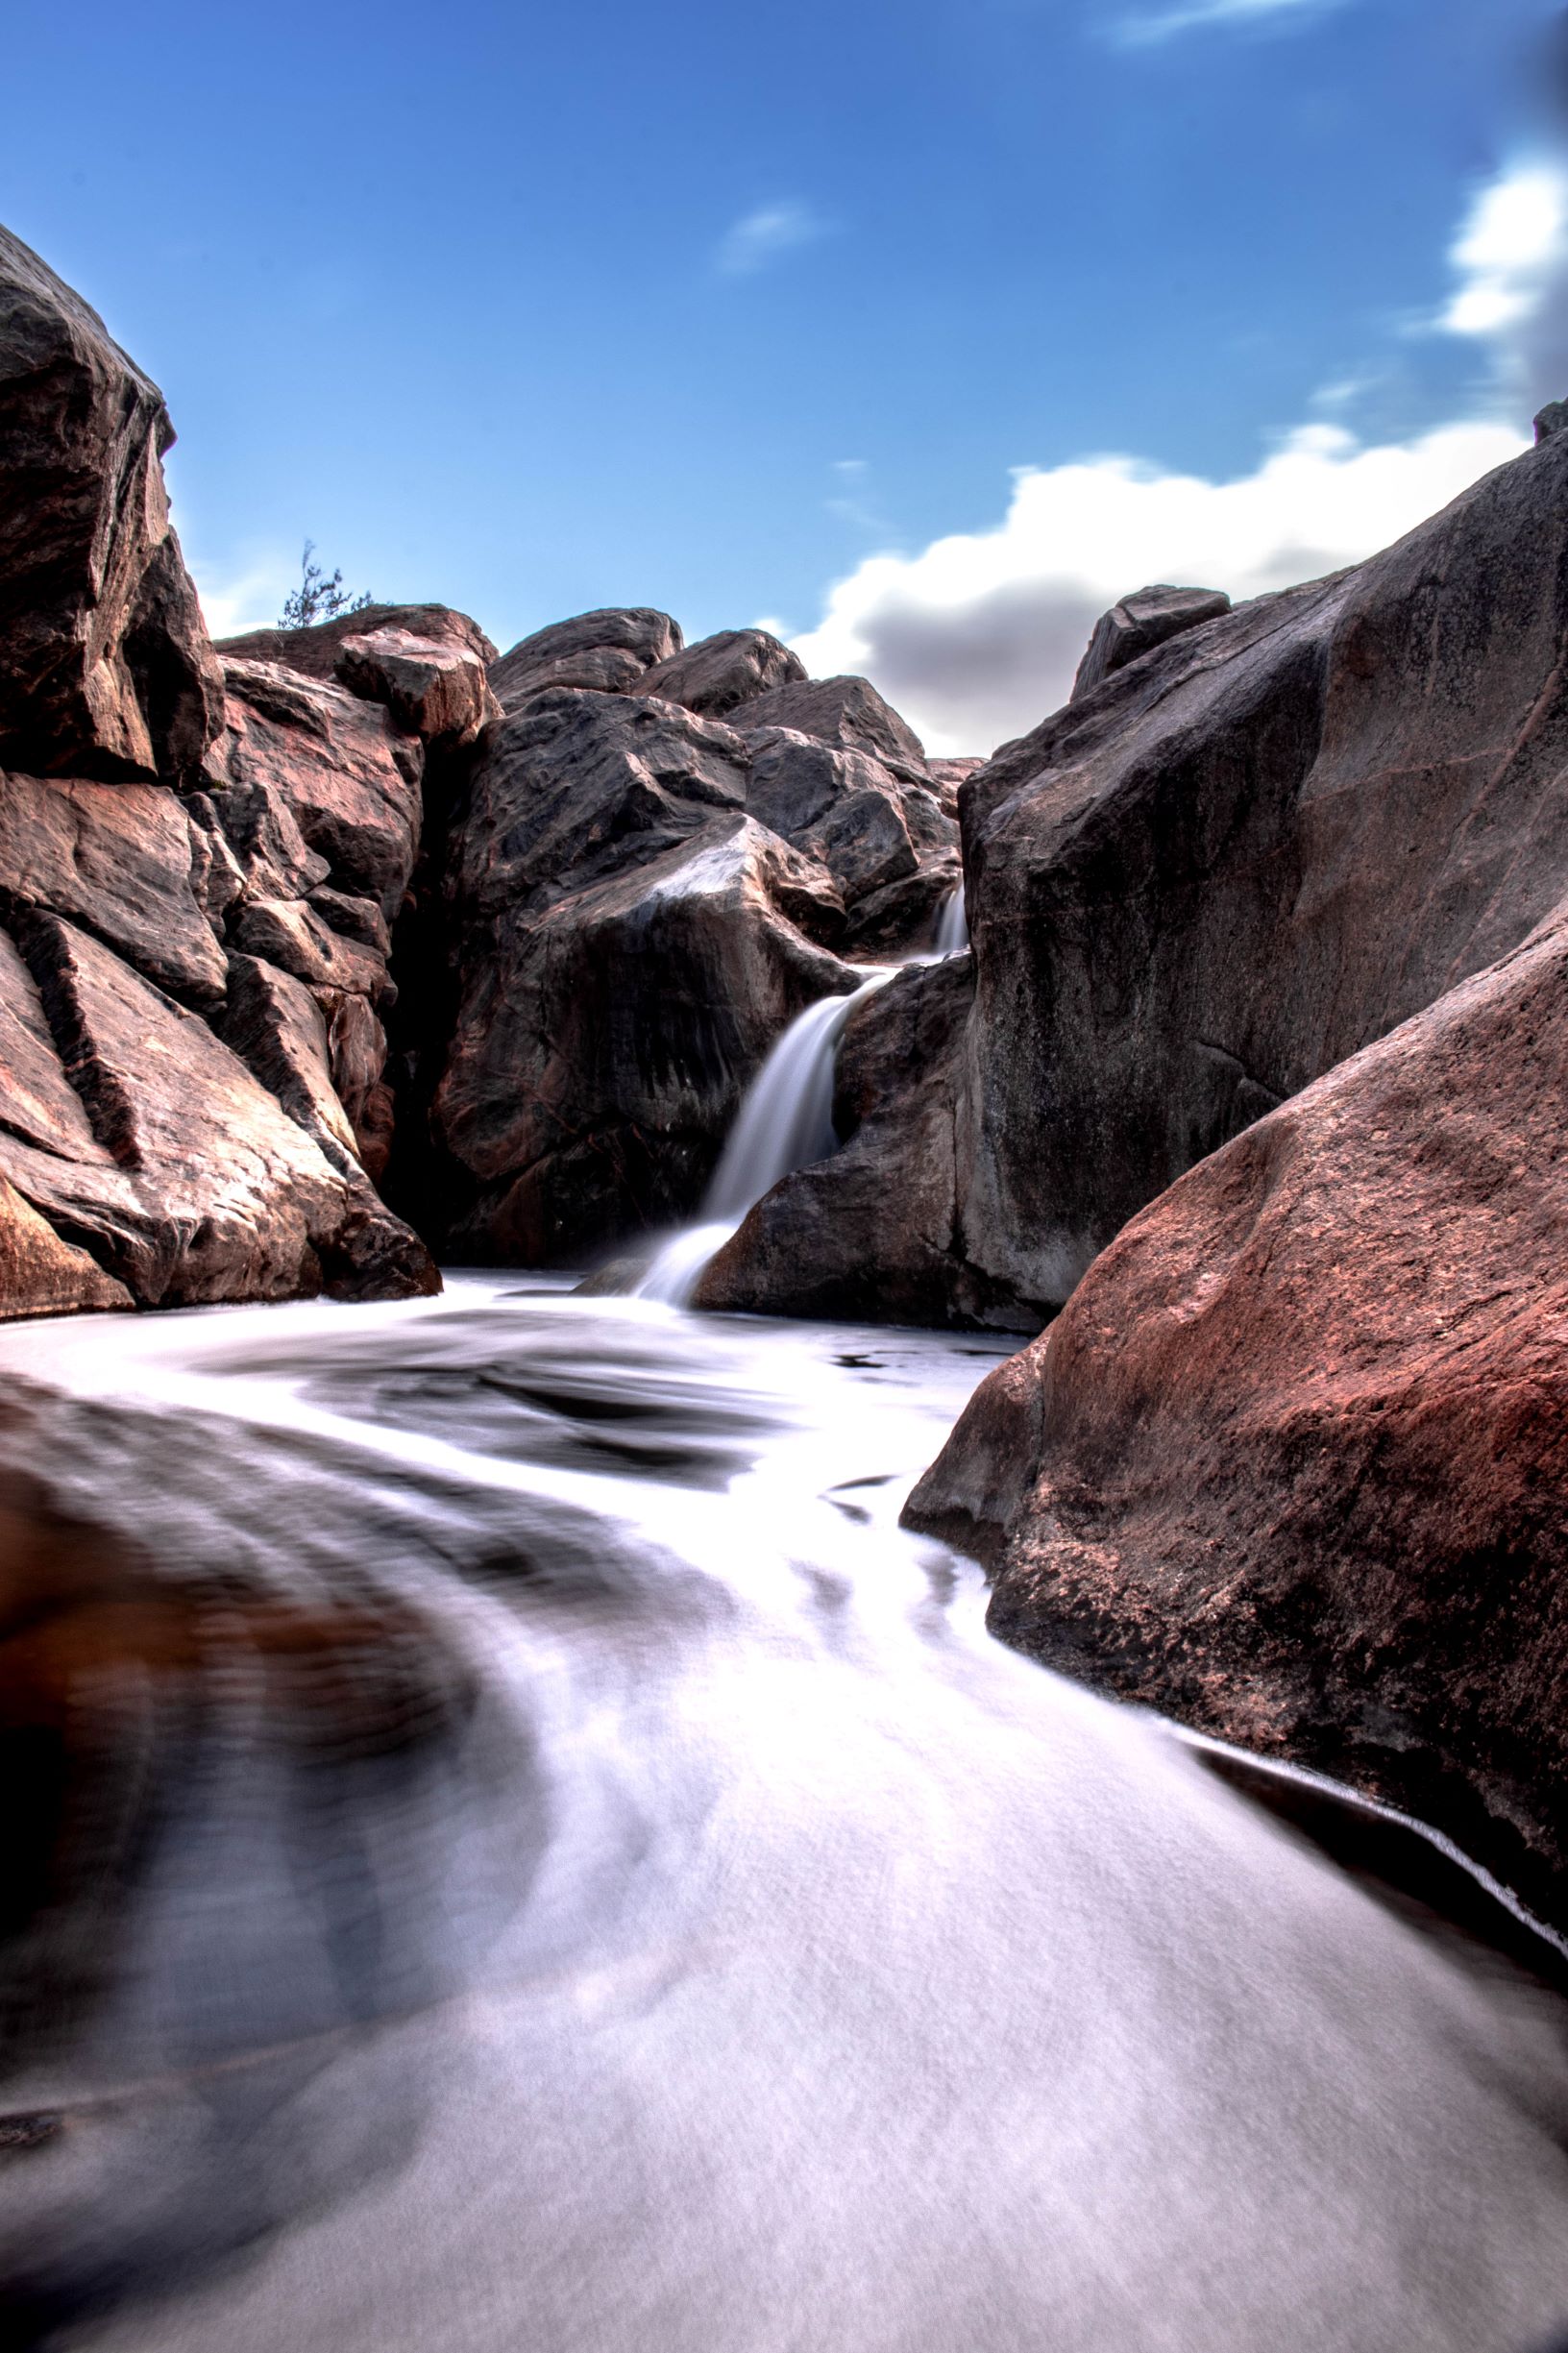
785,1121
952,925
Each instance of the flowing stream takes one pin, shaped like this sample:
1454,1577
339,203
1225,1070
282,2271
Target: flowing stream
547,1863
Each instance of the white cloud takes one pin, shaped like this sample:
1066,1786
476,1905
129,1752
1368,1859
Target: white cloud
1512,261
977,638
1146,29
766,236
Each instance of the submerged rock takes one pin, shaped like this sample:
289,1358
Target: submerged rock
1290,1464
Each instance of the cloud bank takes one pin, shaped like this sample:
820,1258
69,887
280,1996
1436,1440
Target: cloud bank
977,637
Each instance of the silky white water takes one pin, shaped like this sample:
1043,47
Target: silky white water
952,925
785,1123
739,1952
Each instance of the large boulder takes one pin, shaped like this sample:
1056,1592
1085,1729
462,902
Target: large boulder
602,1049
437,692
719,673
314,652
868,1236
104,665
139,1136
875,832
847,712
1139,623
1290,1464
608,651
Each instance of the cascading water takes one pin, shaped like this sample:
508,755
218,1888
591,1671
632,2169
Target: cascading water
952,925
785,1121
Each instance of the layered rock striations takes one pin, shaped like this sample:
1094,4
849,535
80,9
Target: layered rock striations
197,865
105,665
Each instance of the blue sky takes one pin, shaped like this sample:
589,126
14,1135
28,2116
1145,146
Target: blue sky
713,308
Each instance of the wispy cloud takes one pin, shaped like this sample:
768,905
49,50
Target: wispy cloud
1147,28
766,236
1511,268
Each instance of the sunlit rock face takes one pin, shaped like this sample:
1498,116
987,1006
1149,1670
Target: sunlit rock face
105,665
1290,1464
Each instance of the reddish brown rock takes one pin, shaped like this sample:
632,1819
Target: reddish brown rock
105,665
41,1275
315,652
342,774
118,859
437,692
274,1024
1291,1464
718,673
152,1146
291,935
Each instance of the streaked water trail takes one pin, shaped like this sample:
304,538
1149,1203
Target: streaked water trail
785,1123
545,1862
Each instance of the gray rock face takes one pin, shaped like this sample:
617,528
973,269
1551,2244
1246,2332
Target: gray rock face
847,713
1139,623
719,673
104,665
637,901
872,831
603,1042
606,651
1244,857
